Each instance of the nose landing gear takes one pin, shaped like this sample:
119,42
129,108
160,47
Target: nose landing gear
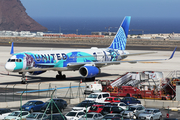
24,81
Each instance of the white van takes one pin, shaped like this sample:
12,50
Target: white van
98,97
92,88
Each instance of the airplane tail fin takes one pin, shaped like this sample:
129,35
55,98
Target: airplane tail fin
12,48
119,41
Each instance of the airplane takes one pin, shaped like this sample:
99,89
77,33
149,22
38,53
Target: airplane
87,61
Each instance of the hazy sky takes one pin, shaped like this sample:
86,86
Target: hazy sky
102,8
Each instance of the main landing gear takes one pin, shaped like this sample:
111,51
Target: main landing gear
23,79
60,76
89,79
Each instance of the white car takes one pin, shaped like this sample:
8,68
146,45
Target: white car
74,115
83,106
16,115
120,104
98,97
4,112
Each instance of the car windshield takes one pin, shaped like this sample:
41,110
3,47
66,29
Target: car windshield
92,96
29,103
14,114
88,116
131,109
116,109
71,114
94,108
148,111
126,99
32,115
83,104
108,98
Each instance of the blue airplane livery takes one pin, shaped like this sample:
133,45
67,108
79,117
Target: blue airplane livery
87,61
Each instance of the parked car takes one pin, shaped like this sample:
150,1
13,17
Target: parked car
112,115
83,106
116,109
106,109
112,99
55,108
36,116
74,115
16,115
92,116
120,104
98,97
150,114
55,117
4,112
32,106
58,100
130,100
102,103
133,111
96,108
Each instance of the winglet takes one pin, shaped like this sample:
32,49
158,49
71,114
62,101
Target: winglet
12,48
173,53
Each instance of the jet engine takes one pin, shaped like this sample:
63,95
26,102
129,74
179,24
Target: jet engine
36,72
89,71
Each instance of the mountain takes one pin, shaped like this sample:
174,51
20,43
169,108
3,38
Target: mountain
13,17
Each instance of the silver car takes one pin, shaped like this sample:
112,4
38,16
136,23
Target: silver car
150,114
92,116
133,111
36,116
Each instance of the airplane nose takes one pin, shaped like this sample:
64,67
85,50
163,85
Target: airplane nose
10,66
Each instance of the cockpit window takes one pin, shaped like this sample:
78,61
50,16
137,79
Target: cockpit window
14,60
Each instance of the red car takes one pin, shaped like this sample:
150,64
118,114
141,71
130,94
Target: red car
96,108
112,99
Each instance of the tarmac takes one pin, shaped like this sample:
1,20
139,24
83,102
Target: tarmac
47,80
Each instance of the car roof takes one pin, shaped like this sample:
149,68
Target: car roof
4,109
100,93
98,105
152,109
92,113
35,101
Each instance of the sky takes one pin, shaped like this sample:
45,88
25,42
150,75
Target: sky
102,8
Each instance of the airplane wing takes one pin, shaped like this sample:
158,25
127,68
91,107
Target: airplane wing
133,54
105,63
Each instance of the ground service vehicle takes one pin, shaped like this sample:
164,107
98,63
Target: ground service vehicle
98,97
92,88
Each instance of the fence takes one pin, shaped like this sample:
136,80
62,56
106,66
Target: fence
10,93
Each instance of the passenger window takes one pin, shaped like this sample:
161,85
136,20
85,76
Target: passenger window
105,95
99,97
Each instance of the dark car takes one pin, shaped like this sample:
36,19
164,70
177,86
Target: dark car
55,107
116,109
111,118
56,117
106,109
33,105
130,100
58,100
